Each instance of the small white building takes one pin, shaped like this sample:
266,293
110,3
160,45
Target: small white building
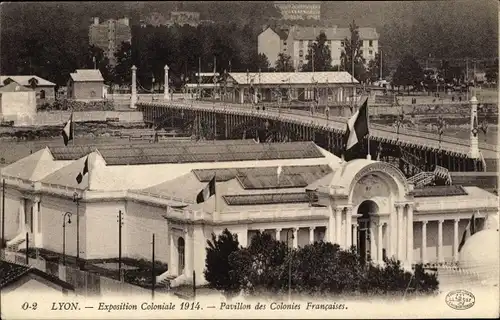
18,104
44,89
365,203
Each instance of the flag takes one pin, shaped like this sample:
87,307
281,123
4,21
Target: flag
468,232
85,170
67,132
206,192
357,127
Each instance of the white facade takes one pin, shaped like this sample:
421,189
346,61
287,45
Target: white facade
299,10
366,203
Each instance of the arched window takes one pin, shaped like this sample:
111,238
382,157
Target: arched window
42,94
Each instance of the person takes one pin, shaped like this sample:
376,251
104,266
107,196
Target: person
327,112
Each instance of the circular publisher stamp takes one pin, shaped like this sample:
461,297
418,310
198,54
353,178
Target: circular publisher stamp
460,299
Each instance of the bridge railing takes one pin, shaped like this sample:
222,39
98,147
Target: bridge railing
405,135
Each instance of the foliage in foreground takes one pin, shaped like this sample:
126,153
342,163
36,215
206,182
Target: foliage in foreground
319,268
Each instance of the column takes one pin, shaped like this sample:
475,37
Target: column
166,93
133,97
355,234
392,228
399,209
338,224
380,244
474,139
455,240
409,234
373,247
424,241
295,237
188,254
22,217
311,234
348,228
331,227
278,234
440,241
172,263
36,216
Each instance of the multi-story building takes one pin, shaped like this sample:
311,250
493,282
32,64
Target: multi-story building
181,18
109,35
294,41
299,10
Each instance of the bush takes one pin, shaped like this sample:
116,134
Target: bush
319,268
66,104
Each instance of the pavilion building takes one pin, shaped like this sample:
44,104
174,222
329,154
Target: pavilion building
315,197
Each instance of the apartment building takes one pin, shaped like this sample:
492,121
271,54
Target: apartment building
109,35
294,41
299,10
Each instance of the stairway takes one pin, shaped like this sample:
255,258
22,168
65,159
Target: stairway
422,179
443,173
13,245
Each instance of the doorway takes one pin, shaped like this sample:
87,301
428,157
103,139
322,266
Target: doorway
367,209
180,253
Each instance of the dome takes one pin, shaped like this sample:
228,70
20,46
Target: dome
480,254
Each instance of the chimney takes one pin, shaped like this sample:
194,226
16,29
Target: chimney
96,21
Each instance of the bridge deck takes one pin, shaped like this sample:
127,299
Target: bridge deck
405,136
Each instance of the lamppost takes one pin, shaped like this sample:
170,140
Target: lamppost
76,199
289,264
67,214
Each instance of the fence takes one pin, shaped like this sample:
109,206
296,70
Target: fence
47,118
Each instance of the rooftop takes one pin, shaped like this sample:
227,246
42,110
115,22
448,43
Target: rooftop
25,80
189,152
14,87
87,75
439,191
11,272
285,78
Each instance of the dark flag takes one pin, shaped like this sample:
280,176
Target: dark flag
206,192
468,232
85,170
357,127
67,131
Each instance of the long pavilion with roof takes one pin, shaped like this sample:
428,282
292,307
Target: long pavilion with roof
315,197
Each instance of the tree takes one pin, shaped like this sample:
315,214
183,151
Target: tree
492,72
259,62
97,58
122,70
373,70
408,73
319,56
284,63
217,268
352,53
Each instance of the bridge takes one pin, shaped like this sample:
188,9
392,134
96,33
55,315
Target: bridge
411,150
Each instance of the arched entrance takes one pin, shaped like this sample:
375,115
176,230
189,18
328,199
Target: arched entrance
180,254
367,209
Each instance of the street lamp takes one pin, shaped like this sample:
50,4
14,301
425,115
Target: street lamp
67,214
76,199
289,265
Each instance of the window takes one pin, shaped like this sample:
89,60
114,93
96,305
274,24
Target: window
301,53
370,52
284,43
370,43
342,44
301,43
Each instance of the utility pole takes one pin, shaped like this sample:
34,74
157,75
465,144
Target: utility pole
3,214
381,77
153,277
199,78
120,223
27,247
